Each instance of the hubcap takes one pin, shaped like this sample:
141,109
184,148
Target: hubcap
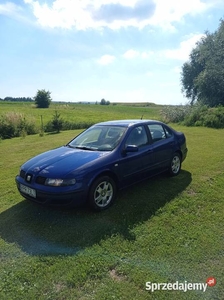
103,194
175,164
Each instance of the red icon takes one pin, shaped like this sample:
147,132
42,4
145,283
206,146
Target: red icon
211,281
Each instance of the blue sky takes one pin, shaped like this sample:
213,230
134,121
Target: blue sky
86,50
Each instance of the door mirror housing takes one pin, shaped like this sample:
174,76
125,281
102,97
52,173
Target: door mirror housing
131,148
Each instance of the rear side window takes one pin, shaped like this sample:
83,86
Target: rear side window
168,132
157,132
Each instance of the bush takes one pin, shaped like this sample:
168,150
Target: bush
196,115
175,114
7,131
43,98
57,122
13,124
67,125
214,118
205,116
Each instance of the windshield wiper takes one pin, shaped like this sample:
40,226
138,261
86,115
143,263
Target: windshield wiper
85,148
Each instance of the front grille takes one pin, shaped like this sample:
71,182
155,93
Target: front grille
26,176
40,180
22,174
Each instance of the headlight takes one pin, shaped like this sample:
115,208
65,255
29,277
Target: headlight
59,182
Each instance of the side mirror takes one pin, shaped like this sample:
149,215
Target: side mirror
131,148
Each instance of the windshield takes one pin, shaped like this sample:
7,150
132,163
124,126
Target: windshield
101,138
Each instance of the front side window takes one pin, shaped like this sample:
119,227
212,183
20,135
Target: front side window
137,137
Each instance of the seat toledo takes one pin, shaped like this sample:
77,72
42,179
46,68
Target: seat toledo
106,157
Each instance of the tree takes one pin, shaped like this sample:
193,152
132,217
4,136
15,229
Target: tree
57,122
202,77
104,102
43,99
190,71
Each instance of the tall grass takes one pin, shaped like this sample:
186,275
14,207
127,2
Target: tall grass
24,118
175,114
14,124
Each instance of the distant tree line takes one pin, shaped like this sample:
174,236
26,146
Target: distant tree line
19,99
104,102
42,99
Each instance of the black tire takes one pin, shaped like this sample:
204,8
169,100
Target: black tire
102,193
175,165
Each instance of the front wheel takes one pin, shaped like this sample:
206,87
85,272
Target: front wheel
175,165
102,193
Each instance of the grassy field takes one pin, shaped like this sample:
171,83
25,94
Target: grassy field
75,112
161,230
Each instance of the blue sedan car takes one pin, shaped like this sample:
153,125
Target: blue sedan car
101,160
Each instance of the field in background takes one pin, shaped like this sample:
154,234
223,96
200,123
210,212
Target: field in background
161,230
75,112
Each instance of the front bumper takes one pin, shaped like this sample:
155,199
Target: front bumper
74,198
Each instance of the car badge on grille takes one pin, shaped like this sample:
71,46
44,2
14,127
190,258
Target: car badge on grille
28,178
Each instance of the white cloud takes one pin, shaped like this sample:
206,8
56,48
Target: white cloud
10,9
130,54
106,59
168,12
62,14
115,13
147,54
182,53
14,11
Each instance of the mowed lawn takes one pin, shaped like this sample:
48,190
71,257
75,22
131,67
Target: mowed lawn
160,230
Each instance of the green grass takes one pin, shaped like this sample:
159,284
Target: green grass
74,112
161,230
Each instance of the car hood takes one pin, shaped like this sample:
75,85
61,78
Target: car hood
62,161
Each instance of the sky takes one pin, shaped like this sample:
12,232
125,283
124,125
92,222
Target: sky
87,50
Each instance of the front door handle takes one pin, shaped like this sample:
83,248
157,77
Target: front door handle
149,151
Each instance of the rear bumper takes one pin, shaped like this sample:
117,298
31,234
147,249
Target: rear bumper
184,154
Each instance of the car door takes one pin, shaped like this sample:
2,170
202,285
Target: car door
136,161
162,142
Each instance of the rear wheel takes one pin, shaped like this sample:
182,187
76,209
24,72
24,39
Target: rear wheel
102,193
175,165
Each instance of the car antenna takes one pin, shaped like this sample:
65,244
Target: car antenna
142,117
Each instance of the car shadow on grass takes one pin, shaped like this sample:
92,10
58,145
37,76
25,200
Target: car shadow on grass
38,230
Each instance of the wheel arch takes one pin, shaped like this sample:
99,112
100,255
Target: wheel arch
180,153
104,173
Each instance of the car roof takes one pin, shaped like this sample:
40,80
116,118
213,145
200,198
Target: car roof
129,123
